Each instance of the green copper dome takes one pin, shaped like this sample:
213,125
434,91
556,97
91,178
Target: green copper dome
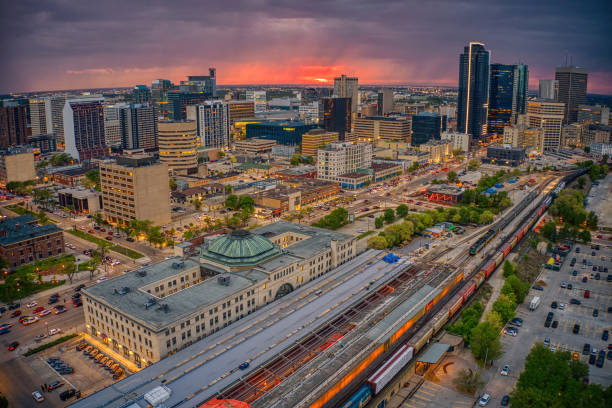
240,248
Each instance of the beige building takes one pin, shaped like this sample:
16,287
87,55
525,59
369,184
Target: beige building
135,187
157,310
571,135
547,115
439,150
240,110
524,136
316,138
17,167
40,116
254,145
373,129
458,141
178,141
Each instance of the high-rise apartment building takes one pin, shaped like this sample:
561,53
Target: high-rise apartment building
507,96
212,120
259,99
159,96
57,118
385,101
13,124
240,110
84,128
549,89
135,187
596,115
427,126
338,159
572,90
373,129
309,113
347,87
473,98
206,84
178,102
40,116
335,115
138,127
548,115
315,139
178,143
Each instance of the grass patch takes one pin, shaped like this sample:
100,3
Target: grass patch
98,241
7,291
50,344
46,264
17,209
365,234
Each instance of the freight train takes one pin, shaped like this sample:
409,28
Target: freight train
463,289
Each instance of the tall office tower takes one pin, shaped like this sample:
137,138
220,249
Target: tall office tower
178,142
347,87
259,99
548,115
138,127
335,115
572,90
84,128
385,101
178,102
427,126
507,97
549,89
212,119
473,99
159,96
13,124
135,187
140,94
206,84
40,116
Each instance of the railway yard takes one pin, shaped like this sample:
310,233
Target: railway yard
322,343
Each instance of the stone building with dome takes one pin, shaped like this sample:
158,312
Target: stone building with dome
154,311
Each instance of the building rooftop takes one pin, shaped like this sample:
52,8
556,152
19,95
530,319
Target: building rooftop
136,160
240,248
22,228
444,189
79,171
298,171
434,353
279,123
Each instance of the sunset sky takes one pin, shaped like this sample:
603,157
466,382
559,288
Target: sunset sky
77,44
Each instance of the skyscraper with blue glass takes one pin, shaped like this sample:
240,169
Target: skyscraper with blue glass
507,96
473,98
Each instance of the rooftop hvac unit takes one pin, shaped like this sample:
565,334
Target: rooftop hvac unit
158,395
164,307
141,273
150,302
224,280
122,291
178,265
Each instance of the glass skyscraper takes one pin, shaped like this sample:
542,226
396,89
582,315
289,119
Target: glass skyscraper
473,97
507,97
427,126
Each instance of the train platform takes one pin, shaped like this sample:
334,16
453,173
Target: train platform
202,370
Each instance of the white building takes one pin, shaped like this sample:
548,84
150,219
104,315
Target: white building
549,89
347,87
40,116
212,118
459,141
343,158
309,113
547,115
600,149
259,99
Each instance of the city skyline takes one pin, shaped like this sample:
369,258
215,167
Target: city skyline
88,45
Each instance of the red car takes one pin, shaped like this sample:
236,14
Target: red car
91,231
13,346
38,309
102,229
109,238
16,313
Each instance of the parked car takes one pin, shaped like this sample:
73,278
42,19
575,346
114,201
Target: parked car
54,385
484,400
517,321
13,346
38,397
505,400
53,332
67,394
576,328
538,287
44,312
586,349
32,304
78,288
505,370
604,335
16,313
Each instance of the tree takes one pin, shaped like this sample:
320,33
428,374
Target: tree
584,236
377,242
244,215
494,319
578,369
61,159
509,268
101,252
505,305
173,185
333,220
468,381
581,182
155,236
228,189
549,231
92,179
485,343
473,164
452,176
486,217
308,160
232,202
592,220
200,160
247,202
197,204
519,288
401,210
221,154
295,159
379,222
389,216
69,270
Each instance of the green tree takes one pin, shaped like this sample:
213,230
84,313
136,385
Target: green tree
486,217
228,189
377,242
505,305
247,202
232,202
197,204
389,216
584,236
509,268
452,176
519,288
334,220
379,222
173,185
473,164
295,159
401,210
69,269
494,319
592,220
549,231
221,154
581,182
92,179
308,160
485,342
578,369
61,159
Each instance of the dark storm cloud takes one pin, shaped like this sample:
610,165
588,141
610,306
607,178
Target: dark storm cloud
62,44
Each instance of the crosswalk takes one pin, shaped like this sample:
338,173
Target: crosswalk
429,396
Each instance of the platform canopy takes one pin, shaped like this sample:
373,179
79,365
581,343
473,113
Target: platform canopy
434,353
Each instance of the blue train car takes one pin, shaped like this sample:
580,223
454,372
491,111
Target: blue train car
359,399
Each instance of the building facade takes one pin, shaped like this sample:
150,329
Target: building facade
287,133
13,124
507,97
571,135
335,115
17,167
547,115
84,128
135,187
82,201
338,159
572,90
548,89
373,129
212,121
505,156
178,143
254,145
240,110
309,113
473,97
315,139
438,150
458,141
427,126
23,241
138,125
596,115
258,98
524,136
385,101
40,116
347,87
